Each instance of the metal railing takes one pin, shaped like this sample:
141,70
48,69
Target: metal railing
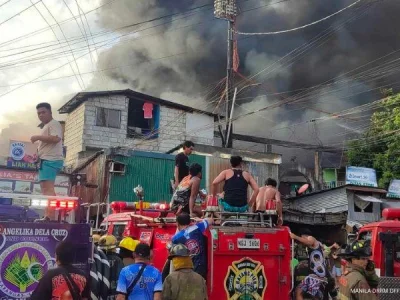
333,184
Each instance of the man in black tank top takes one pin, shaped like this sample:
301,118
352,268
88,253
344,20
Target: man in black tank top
235,188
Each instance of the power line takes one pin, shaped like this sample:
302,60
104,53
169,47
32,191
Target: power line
17,14
72,69
5,3
112,39
300,27
46,28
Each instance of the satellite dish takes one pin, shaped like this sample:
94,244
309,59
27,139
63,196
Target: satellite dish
303,188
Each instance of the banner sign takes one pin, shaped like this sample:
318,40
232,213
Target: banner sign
27,252
394,189
25,182
361,176
23,155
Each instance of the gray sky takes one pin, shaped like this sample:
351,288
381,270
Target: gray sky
185,56
18,69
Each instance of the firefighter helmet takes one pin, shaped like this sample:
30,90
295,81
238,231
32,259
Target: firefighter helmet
108,242
129,243
357,249
96,238
179,250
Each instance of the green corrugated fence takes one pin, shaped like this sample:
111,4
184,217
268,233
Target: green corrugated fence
152,171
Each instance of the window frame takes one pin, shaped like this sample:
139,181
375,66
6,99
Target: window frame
107,123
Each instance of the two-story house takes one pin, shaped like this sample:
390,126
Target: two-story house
125,118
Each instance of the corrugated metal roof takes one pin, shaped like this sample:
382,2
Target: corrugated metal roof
368,198
328,201
390,203
80,98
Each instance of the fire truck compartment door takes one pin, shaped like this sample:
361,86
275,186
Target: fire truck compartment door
251,265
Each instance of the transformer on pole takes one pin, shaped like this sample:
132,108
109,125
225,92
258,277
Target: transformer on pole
227,10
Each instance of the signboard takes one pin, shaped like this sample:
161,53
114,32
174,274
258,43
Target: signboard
27,252
25,182
361,176
23,155
394,189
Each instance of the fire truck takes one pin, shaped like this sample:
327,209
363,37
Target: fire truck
247,259
27,248
384,238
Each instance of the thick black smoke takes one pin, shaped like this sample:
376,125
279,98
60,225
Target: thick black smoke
183,56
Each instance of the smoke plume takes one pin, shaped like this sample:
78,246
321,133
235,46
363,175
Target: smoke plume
183,57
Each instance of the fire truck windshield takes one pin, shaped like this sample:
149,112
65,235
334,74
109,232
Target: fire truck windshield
118,230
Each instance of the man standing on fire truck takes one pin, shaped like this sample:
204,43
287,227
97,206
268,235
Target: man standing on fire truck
182,163
50,151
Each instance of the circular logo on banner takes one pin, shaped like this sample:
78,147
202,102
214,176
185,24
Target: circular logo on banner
23,265
17,151
245,280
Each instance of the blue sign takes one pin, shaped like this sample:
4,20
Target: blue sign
361,176
394,189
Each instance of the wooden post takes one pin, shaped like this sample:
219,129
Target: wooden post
318,169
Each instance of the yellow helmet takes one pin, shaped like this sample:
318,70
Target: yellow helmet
129,244
96,238
108,242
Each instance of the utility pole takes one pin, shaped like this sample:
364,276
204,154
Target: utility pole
227,10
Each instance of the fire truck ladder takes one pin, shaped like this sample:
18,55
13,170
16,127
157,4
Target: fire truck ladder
246,219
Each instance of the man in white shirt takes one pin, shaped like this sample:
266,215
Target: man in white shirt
50,149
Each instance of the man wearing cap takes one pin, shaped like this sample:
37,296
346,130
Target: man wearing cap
183,283
140,280
354,284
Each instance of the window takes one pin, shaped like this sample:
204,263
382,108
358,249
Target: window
106,117
118,230
143,119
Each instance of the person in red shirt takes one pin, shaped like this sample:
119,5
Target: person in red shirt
65,281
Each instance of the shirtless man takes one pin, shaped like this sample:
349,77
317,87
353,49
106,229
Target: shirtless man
269,198
185,195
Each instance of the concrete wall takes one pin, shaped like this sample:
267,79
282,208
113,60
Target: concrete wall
175,126
104,137
73,135
200,128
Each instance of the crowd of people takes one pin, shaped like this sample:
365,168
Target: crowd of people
329,272
123,270
235,180
333,272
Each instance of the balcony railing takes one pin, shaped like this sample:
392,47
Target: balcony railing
333,184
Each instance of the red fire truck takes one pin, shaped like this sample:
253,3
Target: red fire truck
246,259
384,237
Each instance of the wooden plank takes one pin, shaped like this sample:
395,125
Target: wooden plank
266,141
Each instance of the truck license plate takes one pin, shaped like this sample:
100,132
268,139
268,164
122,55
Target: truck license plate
248,243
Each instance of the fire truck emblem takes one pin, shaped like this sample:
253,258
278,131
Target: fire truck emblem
245,280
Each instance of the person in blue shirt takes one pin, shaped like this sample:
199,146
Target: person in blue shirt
192,236
133,283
